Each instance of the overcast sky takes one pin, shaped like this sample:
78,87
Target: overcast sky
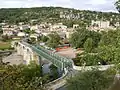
97,5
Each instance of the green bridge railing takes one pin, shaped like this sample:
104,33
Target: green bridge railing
59,61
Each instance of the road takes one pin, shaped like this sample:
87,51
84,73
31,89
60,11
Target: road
62,88
61,83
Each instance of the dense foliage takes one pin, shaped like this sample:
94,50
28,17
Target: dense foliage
79,37
24,77
52,14
117,4
54,40
91,80
54,72
88,45
20,77
106,51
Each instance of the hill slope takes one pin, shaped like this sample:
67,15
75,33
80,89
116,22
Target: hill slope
53,14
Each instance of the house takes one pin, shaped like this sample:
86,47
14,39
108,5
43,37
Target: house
21,23
62,35
24,27
75,26
34,36
69,32
58,27
21,34
2,24
8,30
45,33
33,27
100,24
117,24
42,25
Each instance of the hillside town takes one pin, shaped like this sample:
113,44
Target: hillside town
18,31
56,48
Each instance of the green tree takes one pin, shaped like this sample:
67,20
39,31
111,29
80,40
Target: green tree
91,80
5,38
44,38
21,77
88,45
32,40
27,31
108,49
79,37
1,31
117,4
54,71
54,40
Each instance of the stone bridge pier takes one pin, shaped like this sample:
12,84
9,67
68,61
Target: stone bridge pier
27,53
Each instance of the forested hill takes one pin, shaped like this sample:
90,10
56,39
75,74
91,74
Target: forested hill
52,14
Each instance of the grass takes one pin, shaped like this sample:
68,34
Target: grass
5,45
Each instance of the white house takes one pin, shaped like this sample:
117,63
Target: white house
117,24
21,34
75,26
100,24
24,27
58,27
35,27
8,30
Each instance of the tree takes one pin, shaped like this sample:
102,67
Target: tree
91,80
88,45
54,72
27,31
108,49
79,37
5,38
1,31
44,38
30,71
54,40
117,4
32,40
21,77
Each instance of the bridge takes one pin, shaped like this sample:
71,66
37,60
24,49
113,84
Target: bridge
37,52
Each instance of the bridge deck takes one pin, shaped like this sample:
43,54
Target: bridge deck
59,61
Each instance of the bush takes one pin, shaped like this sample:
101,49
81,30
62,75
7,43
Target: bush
91,80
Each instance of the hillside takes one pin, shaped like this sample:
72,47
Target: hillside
55,14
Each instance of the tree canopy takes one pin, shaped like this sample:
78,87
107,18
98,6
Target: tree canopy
91,80
79,37
52,15
54,40
22,77
105,52
117,4
88,45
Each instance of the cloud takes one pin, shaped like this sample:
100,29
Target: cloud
98,5
97,2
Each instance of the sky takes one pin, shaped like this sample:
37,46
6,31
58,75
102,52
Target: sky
95,5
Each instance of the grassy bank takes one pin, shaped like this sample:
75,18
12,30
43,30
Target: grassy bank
5,45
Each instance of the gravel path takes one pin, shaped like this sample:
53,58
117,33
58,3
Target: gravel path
69,53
